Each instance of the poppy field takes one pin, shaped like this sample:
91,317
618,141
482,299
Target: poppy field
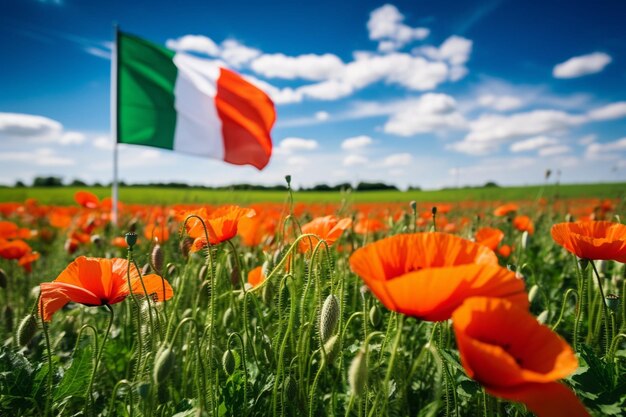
493,307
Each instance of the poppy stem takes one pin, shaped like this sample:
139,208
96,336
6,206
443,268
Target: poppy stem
605,309
49,357
99,355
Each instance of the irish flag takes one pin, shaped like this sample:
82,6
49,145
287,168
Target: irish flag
181,102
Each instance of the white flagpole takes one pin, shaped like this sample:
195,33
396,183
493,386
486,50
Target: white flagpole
113,123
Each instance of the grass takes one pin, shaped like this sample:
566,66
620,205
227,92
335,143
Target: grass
155,195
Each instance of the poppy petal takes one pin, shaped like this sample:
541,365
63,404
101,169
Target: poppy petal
155,286
54,295
545,400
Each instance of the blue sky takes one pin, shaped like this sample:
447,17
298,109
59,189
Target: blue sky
422,93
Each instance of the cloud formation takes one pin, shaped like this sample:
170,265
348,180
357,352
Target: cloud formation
579,66
386,26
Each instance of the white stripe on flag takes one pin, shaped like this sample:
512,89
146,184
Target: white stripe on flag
198,127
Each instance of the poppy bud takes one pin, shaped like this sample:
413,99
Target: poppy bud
288,179
8,318
525,239
146,269
434,210
228,362
228,317
185,246
543,317
331,347
569,218
612,302
96,240
3,278
163,364
132,226
329,317
143,389
413,205
157,259
357,374
375,316
131,239
171,269
26,330
532,294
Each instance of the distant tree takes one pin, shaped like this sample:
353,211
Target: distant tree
415,188
47,182
78,183
19,184
375,186
491,184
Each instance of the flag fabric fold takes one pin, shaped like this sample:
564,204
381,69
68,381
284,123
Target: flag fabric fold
178,101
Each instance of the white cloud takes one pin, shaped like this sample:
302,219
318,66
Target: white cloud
352,160
609,112
385,25
587,139
455,50
430,113
606,148
237,54
289,145
71,138
230,50
26,126
500,103
356,143
554,150
103,142
194,43
398,159
98,52
533,143
43,157
322,116
489,131
582,65
326,90
307,67
297,161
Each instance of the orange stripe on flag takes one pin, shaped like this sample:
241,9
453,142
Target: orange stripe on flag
247,115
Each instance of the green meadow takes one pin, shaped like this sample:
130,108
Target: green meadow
159,195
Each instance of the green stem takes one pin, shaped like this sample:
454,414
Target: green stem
605,308
99,354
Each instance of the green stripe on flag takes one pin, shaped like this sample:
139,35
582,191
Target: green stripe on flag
145,93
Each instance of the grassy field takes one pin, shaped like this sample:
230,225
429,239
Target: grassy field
153,195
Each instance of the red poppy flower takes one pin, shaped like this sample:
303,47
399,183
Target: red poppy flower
514,357
524,224
328,228
14,249
490,237
96,282
255,276
592,240
505,209
8,230
221,224
27,260
87,199
428,275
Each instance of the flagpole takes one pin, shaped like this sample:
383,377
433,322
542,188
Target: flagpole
113,123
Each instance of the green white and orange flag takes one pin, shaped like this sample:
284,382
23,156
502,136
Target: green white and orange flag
177,101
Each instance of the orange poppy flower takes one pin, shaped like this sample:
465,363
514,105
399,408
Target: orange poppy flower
96,282
592,240
490,237
505,209
8,230
255,276
328,228
27,260
221,224
524,224
504,348
120,242
14,249
87,199
505,251
157,232
366,226
428,275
